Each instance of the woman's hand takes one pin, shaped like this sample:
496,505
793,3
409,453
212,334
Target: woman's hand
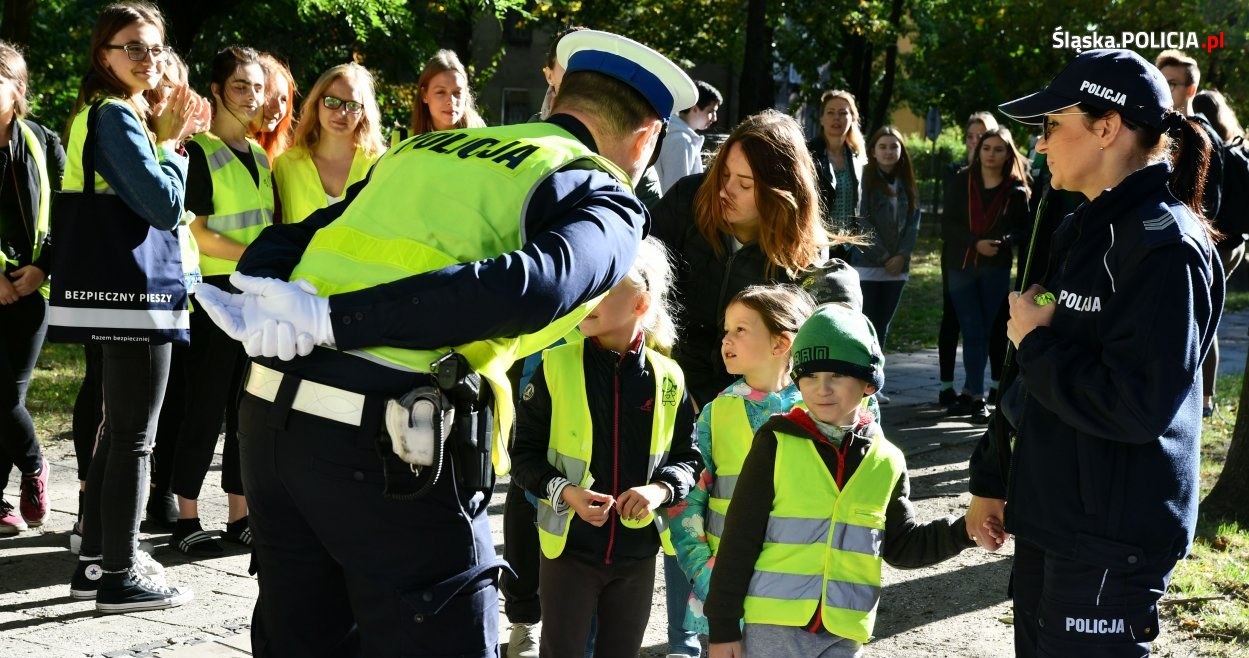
8,294
28,279
171,119
592,506
1026,314
984,522
988,247
201,117
895,264
726,650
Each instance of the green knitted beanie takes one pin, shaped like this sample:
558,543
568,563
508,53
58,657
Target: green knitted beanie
838,339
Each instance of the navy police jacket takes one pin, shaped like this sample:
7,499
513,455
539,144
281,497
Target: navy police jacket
1107,406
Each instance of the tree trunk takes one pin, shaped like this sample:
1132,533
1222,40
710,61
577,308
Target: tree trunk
18,15
185,19
756,86
1229,500
881,109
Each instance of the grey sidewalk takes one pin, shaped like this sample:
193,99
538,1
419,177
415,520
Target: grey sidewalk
37,617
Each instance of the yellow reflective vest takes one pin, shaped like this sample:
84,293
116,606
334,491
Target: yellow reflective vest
823,545
730,443
242,208
572,436
404,222
299,182
41,222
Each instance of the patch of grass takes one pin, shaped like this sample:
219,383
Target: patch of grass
918,319
53,387
1237,300
1210,588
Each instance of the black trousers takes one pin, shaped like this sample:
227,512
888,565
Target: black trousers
523,552
346,572
1065,608
23,324
947,336
575,590
89,409
170,424
134,378
213,376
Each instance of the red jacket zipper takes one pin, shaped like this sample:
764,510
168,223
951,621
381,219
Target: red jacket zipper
615,485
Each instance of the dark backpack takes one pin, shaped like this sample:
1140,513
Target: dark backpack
1233,216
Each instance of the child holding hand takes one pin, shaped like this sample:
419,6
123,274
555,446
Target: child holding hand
604,439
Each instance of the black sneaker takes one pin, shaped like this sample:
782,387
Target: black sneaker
238,532
189,537
162,510
86,578
130,591
963,405
946,397
981,412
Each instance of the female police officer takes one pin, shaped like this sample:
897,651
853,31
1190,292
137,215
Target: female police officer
541,221
1102,494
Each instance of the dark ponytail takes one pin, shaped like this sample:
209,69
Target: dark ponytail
1186,144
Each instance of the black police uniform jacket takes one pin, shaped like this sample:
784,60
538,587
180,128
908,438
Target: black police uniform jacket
1107,406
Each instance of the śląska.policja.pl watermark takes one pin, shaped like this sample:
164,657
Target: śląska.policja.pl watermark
1154,40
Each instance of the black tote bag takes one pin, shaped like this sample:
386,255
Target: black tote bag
115,278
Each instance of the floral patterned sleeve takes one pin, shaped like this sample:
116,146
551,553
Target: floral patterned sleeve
689,535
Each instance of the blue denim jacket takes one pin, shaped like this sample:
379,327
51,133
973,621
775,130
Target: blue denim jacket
151,181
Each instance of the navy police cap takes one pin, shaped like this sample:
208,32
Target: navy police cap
661,82
1118,80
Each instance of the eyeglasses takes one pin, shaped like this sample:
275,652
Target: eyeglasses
332,103
137,53
1048,126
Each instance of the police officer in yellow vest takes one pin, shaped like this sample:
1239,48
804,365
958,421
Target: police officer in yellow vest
821,501
368,459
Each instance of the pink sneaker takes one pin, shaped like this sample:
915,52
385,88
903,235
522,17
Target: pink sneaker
10,522
34,497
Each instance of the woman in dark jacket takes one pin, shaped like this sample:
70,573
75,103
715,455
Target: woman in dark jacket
753,218
1101,477
985,214
839,155
31,164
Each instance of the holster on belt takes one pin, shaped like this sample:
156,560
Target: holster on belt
452,418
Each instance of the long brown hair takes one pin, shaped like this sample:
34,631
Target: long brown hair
13,67
903,170
368,131
791,232
279,139
1014,169
441,62
99,80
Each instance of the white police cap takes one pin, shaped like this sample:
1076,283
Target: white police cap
661,82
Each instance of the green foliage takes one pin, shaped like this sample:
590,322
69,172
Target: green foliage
930,165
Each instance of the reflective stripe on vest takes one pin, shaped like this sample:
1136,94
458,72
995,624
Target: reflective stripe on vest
823,546
404,222
242,207
572,436
731,436
299,183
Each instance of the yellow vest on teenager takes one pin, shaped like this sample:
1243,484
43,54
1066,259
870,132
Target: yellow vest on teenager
242,208
572,436
823,545
731,438
299,182
404,222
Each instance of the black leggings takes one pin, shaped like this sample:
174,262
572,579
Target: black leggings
25,322
89,409
214,368
134,378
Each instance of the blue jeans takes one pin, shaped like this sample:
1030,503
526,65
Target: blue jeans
977,293
680,641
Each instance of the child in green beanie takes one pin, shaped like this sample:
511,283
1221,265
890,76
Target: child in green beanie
822,500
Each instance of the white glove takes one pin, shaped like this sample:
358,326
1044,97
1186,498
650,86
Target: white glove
282,319
223,308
